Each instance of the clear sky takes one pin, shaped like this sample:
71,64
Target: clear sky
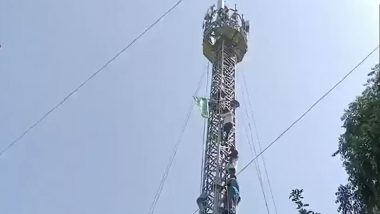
105,149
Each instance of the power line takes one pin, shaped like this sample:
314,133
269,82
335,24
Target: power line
174,153
258,140
257,164
22,135
204,131
254,152
308,110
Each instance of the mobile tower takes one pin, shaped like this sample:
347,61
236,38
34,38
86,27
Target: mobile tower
224,45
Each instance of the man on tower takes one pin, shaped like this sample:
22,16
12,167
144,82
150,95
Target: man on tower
224,45
233,196
201,201
233,158
227,117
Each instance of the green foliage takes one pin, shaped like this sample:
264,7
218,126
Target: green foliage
296,197
349,201
359,148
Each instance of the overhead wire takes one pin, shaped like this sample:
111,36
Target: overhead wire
175,149
308,110
257,165
204,131
245,88
44,116
252,147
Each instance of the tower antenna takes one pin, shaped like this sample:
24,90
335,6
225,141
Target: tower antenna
224,45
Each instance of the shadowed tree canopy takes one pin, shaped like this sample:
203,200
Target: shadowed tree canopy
359,148
349,200
296,197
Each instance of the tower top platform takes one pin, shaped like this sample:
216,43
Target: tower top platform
224,24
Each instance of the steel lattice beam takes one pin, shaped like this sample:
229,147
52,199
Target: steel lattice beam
224,44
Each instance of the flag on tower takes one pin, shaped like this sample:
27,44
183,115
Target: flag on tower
202,103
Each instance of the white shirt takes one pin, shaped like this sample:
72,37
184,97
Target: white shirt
227,117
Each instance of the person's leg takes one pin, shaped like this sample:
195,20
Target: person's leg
234,162
233,204
230,168
224,135
232,171
200,202
227,129
230,202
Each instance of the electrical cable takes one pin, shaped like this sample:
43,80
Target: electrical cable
36,123
204,131
308,110
305,113
203,151
244,83
254,152
258,170
175,149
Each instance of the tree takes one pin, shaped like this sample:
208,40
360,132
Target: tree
349,201
296,197
359,148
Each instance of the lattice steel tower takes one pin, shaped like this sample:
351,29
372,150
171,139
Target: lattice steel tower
224,45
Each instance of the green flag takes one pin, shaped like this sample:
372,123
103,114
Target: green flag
202,104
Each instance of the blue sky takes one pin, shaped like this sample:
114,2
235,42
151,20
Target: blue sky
105,149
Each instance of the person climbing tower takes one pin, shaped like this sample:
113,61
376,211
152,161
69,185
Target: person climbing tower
233,195
227,117
201,201
232,161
